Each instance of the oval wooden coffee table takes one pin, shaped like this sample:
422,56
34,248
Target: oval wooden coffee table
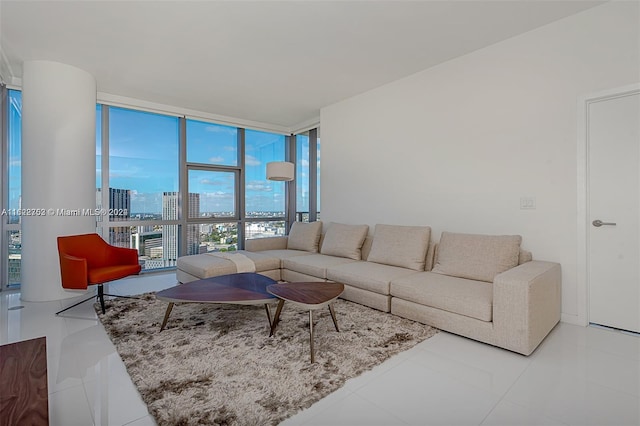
309,295
246,288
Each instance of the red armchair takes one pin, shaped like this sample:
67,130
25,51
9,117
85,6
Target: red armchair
88,260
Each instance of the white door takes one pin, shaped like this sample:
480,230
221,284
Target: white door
613,150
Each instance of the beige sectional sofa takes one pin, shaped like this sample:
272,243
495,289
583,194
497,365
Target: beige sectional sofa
484,287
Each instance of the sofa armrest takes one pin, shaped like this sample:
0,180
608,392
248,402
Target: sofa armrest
526,304
269,243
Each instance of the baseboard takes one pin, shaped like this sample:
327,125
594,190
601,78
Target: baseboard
572,319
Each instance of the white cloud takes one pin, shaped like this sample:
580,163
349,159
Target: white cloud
250,160
209,182
220,129
258,185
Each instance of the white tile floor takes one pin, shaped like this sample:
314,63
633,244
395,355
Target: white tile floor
578,376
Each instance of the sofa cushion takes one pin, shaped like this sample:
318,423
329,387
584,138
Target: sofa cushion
404,246
370,276
314,264
284,254
458,295
305,236
344,240
205,265
476,257
266,243
524,257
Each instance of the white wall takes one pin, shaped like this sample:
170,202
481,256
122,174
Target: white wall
457,145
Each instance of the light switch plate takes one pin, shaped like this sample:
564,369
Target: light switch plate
527,203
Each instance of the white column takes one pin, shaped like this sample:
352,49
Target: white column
58,169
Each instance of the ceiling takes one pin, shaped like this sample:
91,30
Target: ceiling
273,62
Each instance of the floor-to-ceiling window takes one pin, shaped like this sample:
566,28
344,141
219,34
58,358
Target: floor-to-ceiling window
170,186
140,185
265,200
318,209
12,188
307,147
212,206
302,177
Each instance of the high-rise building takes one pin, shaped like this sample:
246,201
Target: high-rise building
119,209
193,231
170,232
145,241
15,268
119,204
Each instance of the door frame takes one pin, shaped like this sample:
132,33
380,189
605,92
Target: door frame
582,287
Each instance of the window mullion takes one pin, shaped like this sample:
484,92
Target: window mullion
183,207
313,175
104,191
240,191
290,187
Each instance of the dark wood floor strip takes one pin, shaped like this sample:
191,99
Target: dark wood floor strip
24,395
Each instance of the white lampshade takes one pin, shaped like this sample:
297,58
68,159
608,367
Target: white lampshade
280,170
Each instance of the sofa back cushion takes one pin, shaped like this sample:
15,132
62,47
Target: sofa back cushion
366,247
476,257
344,240
524,257
431,256
305,236
404,246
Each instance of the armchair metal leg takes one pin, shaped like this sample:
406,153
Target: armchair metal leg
74,305
100,296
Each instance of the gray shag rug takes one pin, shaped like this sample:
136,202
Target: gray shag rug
217,365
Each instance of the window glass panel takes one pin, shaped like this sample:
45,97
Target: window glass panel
318,180
211,194
169,253
192,230
157,245
263,198
98,146
120,236
264,229
15,155
15,257
143,153
215,237
209,143
99,160
302,177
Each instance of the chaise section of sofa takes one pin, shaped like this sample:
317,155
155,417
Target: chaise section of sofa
206,265
262,255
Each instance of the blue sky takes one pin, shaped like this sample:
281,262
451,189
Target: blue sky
15,152
144,150
144,153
